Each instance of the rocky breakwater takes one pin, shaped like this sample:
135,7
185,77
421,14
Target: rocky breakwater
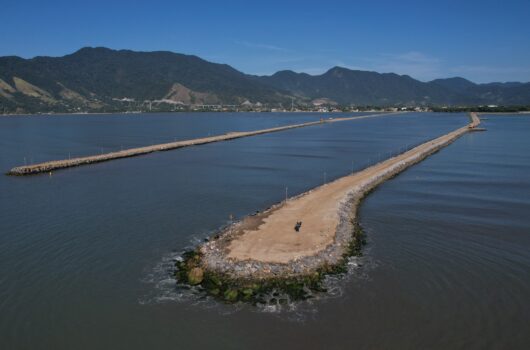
132,152
264,253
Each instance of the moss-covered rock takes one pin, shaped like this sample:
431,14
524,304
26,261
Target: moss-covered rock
231,295
190,271
247,293
195,276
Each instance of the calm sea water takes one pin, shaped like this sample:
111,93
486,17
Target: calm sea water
86,254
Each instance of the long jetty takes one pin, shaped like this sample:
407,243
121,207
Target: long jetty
49,166
266,246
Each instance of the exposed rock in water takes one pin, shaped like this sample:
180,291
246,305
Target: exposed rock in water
195,276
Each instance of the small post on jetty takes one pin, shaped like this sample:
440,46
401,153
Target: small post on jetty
286,188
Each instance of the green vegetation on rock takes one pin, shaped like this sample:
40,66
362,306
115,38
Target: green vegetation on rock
195,276
191,272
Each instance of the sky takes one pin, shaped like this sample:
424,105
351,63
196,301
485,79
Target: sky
483,41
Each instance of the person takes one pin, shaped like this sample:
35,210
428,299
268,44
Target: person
297,226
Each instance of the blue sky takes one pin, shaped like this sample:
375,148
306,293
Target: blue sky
480,40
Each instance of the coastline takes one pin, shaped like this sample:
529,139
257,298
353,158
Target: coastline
262,252
128,113
135,113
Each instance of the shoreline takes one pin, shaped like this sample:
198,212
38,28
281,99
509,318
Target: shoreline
135,113
262,252
178,112
50,166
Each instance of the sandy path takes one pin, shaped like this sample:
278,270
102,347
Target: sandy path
276,241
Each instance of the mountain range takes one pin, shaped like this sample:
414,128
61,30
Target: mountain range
102,79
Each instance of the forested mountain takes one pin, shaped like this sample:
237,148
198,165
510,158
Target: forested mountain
346,86
101,79
96,78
